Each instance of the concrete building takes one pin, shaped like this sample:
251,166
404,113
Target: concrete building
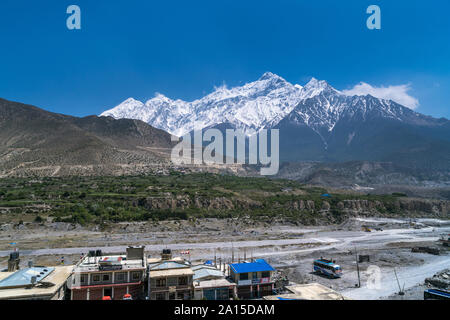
210,284
97,276
169,278
253,279
35,283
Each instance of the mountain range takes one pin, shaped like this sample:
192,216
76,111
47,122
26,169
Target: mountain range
326,137
316,122
254,106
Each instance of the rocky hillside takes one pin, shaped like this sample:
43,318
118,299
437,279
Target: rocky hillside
36,142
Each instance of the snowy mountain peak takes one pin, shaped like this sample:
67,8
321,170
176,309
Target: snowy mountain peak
314,87
271,76
131,101
129,106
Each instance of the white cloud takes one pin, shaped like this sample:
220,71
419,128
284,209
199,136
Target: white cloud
398,94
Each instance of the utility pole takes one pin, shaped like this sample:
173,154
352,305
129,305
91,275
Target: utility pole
232,252
400,292
357,268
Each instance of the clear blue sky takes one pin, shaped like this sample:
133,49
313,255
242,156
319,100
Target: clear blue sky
184,48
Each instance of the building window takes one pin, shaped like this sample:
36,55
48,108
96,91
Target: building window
160,296
106,277
161,282
243,276
136,276
182,281
172,282
83,278
96,278
121,277
265,274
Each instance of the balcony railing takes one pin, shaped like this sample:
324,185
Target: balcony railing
254,281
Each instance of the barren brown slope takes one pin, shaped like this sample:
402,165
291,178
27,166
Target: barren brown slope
36,142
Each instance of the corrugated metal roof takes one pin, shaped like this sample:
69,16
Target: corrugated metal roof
202,266
260,265
168,265
207,272
23,277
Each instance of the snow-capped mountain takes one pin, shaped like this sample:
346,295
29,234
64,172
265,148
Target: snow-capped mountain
331,126
316,122
325,107
257,105
254,106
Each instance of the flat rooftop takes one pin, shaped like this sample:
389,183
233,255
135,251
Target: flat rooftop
57,277
171,273
217,283
313,291
110,263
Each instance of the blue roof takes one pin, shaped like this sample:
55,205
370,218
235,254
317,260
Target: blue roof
22,278
326,195
259,265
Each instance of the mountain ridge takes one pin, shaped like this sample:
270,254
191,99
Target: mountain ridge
35,141
253,106
317,122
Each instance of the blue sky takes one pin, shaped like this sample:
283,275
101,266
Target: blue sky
184,48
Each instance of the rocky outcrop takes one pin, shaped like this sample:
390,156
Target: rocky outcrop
325,210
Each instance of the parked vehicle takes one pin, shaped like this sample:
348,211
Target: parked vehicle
436,294
327,267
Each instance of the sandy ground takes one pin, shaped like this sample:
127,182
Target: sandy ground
289,248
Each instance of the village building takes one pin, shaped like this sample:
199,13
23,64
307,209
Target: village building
169,278
253,279
210,284
116,276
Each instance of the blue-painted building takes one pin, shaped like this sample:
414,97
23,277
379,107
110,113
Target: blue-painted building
253,279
